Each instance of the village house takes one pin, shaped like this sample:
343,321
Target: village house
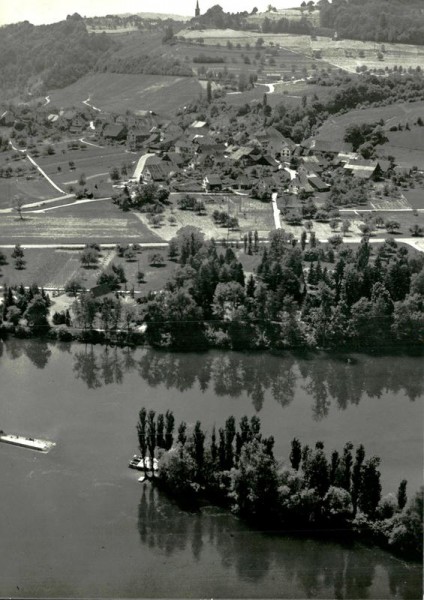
243,183
198,128
212,183
184,147
114,133
325,147
207,145
78,124
66,118
156,172
136,138
363,169
175,159
52,118
244,156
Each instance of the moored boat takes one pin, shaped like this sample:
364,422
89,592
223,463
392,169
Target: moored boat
27,442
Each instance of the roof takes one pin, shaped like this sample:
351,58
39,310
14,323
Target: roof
241,153
332,146
101,290
317,182
243,180
362,173
198,125
266,158
175,158
69,115
142,162
384,165
158,171
182,144
213,179
113,130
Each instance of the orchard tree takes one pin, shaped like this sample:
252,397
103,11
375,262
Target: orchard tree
74,286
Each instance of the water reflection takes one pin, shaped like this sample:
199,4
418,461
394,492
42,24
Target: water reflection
314,567
329,380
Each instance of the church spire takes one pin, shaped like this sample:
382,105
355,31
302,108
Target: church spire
197,11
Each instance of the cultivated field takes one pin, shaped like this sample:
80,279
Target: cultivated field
30,190
92,162
251,214
117,92
349,54
98,221
280,54
344,54
52,268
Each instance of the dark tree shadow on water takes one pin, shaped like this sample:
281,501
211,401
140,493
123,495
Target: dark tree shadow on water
315,567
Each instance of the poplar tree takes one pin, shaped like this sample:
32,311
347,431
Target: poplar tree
169,429
182,436
371,487
151,434
160,426
141,432
357,476
401,494
295,454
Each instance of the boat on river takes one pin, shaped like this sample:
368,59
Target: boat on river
26,442
143,464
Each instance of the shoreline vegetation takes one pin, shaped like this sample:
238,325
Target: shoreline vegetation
312,494
298,297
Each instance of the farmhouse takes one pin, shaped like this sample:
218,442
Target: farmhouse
243,183
66,118
183,147
212,183
78,124
136,137
317,183
364,169
209,146
245,155
174,159
143,161
331,147
156,172
114,132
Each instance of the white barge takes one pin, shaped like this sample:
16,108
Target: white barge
27,442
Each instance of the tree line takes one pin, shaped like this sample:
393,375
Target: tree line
360,299
235,466
393,21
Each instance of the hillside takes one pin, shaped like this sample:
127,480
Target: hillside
48,55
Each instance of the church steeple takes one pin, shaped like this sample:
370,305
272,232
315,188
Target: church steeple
197,11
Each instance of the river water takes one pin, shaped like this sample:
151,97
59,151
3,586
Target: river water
76,523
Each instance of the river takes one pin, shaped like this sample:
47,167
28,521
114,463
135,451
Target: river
75,522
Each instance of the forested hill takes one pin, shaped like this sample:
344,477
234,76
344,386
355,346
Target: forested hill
400,21
50,56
